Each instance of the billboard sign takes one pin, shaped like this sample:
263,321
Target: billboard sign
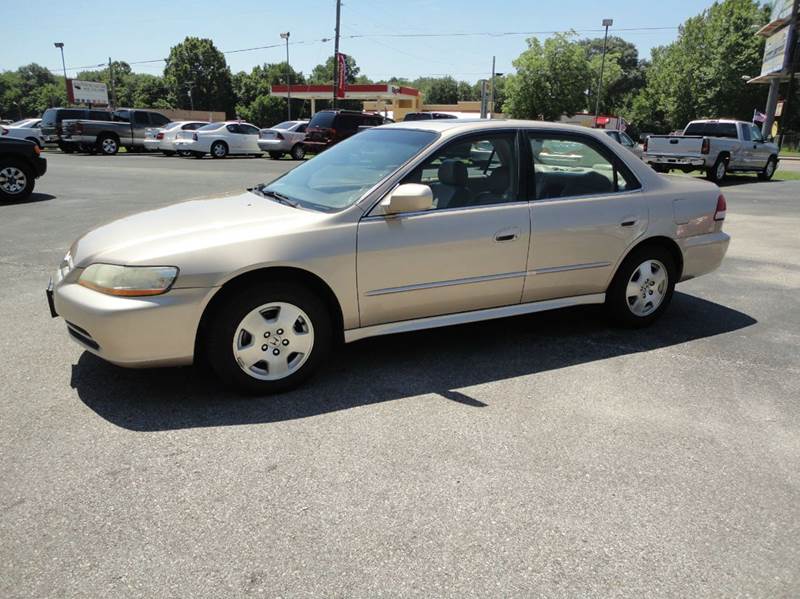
776,51
87,92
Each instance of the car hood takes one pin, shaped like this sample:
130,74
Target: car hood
164,235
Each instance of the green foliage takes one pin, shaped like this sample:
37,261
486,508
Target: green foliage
323,73
196,65
442,90
29,91
252,91
550,81
264,111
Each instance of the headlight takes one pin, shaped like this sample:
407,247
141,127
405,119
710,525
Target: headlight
128,281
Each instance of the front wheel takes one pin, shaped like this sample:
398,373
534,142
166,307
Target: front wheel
16,181
276,155
269,338
298,152
643,287
769,170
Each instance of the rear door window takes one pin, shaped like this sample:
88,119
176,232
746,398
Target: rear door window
141,118
122,116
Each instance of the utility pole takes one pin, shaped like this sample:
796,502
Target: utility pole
60,46
285,36
792,68
606,23
111,76
336,51
491,109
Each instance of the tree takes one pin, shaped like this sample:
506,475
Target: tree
252,88
442,91
617,93
264,111
700,73
550,80
323,73
466,92
195,65
612,74
29,91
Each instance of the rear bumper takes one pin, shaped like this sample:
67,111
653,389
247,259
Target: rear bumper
676,161
39,166
132,332
152,144
316,146
703,253
275,145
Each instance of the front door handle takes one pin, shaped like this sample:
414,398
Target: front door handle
628,222
507,234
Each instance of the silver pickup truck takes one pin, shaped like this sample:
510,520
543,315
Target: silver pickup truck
126,128
716,146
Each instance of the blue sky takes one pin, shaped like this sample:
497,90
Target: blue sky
144,30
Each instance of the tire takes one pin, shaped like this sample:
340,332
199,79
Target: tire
269,345
623,299
769,169
184,153
66,148
107,145
298,152
276,155
16,181
717,172
219,149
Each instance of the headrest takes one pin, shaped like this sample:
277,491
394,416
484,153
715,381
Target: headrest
453,172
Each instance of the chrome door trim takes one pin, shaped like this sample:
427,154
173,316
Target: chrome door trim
447,283
432,211
431,322
568,267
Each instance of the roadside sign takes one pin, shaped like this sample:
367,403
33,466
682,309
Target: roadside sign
779,108
87,92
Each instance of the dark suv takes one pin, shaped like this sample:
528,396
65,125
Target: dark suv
329,127
427,116
52,118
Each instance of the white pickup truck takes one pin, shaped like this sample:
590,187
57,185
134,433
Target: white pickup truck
717,146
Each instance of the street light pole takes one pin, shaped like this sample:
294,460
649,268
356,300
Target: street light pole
336,52
60,46
285,36
606,23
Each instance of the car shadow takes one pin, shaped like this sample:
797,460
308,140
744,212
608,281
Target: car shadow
31,199
438,361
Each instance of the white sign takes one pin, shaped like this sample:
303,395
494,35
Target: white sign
776,52
88,92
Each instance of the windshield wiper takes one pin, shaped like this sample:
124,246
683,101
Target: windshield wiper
278,197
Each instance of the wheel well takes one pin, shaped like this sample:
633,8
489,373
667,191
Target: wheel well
107,134
724,155
664,242
273,273
220,141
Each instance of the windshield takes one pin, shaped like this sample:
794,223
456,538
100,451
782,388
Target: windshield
22,123
339,176
211,127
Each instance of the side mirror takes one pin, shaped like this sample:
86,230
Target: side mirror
409,197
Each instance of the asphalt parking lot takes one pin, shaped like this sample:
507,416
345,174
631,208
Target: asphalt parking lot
545,455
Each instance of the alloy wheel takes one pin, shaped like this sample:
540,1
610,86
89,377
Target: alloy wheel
109,146
273,341
13,180
647,287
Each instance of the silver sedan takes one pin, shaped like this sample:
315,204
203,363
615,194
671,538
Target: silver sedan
402,227
284,138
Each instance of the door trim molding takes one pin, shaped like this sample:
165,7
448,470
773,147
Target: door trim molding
551,269
431,322
448,283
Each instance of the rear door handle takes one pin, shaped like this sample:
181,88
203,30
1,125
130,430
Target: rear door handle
507,234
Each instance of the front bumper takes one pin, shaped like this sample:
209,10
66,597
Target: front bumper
132,332
703,253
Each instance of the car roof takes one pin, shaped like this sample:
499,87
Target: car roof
455,126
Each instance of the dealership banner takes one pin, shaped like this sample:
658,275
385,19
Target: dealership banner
87,92
341,64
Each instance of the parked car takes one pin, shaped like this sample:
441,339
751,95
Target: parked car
717,146
162,139
219,139
329,127
625,140
395,229
286,137
426,116
21,164
52,122
125,129
24,129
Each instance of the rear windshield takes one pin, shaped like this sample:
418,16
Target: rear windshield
55,115
284,125
417,116
323,119
727,130
211,127
169,126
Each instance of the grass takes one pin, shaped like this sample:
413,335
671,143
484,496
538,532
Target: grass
792,153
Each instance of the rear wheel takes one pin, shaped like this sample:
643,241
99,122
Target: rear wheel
108,145
184,153
16,181
276,155
298,152
769,170
219,149
643,286
269,338
717,172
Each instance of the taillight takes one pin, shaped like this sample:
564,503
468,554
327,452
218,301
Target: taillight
722,206
644,145
279,135
36,149
333,133
706,147
159,136
194,136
